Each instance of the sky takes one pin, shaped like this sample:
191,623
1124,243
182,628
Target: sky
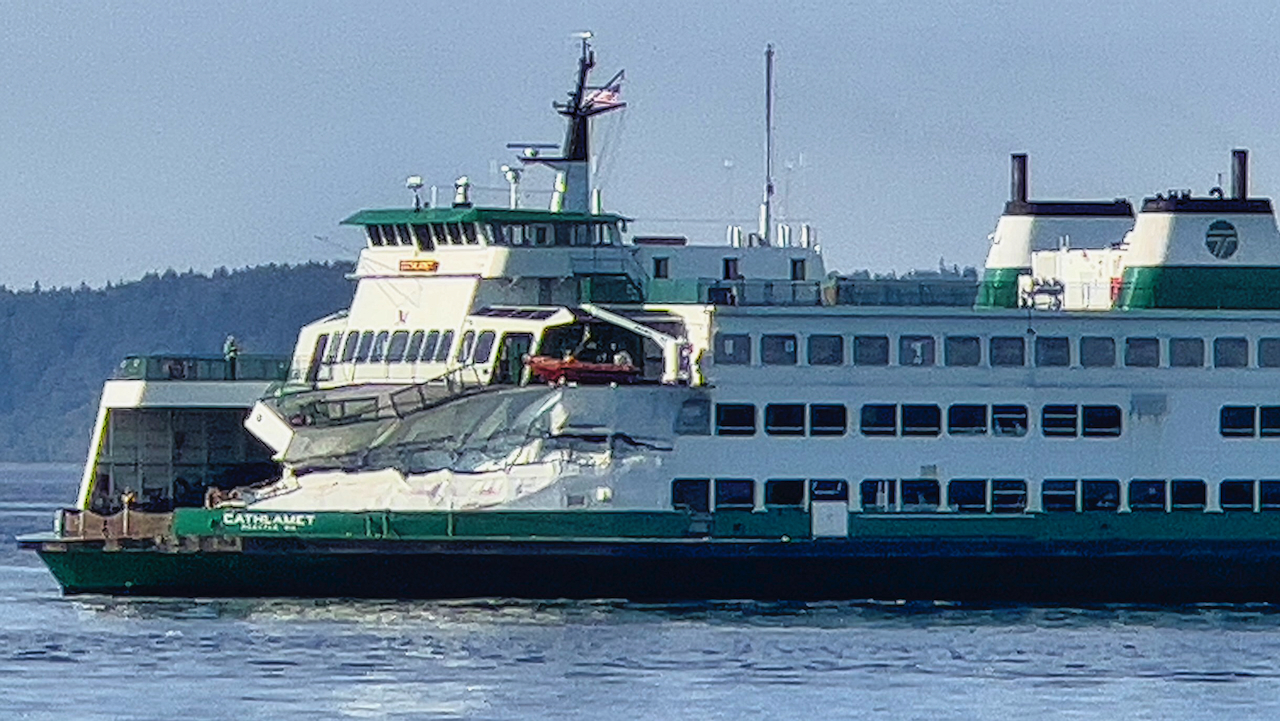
145,135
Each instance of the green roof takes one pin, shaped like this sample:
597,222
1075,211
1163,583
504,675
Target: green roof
409,216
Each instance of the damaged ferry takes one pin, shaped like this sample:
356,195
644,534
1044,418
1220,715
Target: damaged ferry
532,403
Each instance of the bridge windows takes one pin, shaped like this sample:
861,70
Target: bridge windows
379,349
465,346
415,347
396,348
446,344
484,347
430,345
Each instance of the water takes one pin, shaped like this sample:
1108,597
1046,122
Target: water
99,658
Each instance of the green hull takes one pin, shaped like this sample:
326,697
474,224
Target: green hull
1059,558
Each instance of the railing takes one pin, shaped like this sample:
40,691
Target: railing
203,368
734,292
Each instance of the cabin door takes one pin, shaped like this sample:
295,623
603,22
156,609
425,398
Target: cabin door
511,355
829,508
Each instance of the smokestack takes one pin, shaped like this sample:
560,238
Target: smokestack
1018,189
1240,174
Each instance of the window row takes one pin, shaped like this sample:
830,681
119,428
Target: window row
1000,351
978,495
1249,421
403,346
429,235
924,419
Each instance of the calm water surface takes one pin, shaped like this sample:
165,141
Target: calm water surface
101,658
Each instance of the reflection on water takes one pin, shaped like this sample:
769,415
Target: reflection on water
105,658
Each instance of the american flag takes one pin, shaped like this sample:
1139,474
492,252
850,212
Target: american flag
609,95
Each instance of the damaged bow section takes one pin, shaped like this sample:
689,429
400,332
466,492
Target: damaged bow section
536,447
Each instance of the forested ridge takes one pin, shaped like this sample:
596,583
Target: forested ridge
58,346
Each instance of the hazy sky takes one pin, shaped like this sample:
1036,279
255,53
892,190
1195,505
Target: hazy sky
138,136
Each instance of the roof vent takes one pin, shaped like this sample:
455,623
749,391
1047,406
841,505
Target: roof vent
462,192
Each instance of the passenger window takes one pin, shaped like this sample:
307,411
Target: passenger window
1097,352
430,345
1146,495
1142,352
1186,352
1188,494
395,349
828,419
350,346
735,419
967,495
967,420
879,420
484,346
784,492
694,418
732,349
915,350
1269,421
920,495
1269,495
735,493
1009,420
1238,421
446,343
464,348
1101,421
1230,352
778,350
1053,351
1236,495
879,494
691,494
1006,351
870,350
1058,496
1100,495
826,350
921,420
1269,352
1060,421
379,347
784,419
962,350
366,346
1008,495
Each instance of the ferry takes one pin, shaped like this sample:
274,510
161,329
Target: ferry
535,403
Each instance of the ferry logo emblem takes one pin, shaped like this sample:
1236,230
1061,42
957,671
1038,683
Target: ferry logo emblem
419,266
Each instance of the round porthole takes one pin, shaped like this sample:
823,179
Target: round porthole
1221,239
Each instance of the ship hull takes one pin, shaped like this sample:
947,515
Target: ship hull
927,570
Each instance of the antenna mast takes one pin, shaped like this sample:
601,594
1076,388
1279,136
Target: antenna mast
766,207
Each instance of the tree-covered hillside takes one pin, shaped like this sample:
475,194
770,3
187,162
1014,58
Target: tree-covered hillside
58,346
